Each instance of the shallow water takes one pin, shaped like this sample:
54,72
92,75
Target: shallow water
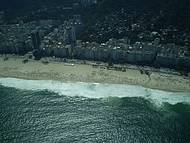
51,111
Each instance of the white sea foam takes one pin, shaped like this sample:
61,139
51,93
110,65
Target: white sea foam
95,90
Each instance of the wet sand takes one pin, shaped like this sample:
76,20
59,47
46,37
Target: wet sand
14,67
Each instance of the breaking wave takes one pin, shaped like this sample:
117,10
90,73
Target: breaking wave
97,90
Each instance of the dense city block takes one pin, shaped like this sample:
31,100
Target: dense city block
99,30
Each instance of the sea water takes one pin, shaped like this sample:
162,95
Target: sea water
76,112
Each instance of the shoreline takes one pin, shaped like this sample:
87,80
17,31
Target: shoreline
14,67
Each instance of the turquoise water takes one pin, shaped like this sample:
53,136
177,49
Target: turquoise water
52,111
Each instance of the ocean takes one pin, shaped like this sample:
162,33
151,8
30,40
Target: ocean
40,111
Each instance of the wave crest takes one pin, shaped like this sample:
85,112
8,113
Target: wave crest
96,90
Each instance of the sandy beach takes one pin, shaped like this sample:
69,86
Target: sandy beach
15,67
